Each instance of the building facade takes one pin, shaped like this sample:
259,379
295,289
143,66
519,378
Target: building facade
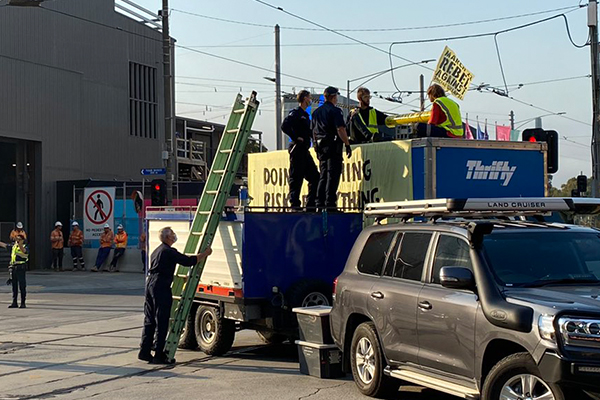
80,98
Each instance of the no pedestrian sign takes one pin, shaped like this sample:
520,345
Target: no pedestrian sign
98,210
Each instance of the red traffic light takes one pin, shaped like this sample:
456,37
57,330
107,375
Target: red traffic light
157,187
532,139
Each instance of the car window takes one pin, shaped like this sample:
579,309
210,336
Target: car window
451,251
374,253
411,259
391,261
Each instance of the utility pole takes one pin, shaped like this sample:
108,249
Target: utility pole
512,120
422,91
593,27
278,112
168,92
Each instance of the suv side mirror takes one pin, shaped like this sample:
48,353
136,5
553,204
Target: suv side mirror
457,278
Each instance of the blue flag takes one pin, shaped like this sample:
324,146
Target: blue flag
479,135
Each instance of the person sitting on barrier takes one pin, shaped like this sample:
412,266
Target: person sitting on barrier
159,298
106,241
445,120
120,246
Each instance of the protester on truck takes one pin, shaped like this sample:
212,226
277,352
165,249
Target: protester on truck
445,120
364,121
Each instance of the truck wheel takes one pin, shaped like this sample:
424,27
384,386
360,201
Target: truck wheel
214,333
368,364
188,335
270,337
518,377
309,293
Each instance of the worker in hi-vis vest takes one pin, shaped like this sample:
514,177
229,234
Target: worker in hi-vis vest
445,120
17,268
364,121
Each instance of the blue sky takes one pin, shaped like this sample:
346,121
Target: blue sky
538,53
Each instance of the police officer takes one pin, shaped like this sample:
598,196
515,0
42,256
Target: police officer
157,306
17,268
329,133
297,126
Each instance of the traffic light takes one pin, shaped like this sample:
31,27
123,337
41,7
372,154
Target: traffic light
582,184
158,190
551,139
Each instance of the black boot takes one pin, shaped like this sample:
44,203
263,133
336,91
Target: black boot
145,355
13,305
23,305
161,358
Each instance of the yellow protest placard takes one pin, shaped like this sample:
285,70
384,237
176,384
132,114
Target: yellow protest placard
452,75
375,172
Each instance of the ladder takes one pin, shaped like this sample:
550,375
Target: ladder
208,214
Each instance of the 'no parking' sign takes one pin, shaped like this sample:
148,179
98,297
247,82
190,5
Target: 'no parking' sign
98,209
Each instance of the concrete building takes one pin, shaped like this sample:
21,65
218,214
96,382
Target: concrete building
80,98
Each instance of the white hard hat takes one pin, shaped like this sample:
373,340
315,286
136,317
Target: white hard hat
75,223
120,226
107,226
19,225
58,223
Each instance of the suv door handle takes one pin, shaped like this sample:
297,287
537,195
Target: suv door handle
377,295
425,305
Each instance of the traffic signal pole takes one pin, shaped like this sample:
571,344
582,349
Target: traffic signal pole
168,104
593,27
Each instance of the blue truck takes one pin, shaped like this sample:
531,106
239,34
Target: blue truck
267,261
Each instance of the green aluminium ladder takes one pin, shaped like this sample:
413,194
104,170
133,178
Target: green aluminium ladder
208,214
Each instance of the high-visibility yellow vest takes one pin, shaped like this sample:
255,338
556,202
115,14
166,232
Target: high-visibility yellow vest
16,251
372,125
453,122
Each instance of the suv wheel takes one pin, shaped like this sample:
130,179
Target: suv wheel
517,377
368,363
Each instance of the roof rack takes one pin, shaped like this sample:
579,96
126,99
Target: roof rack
484,207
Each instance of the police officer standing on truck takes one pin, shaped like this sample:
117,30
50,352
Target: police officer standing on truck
297,126
157,306
329,134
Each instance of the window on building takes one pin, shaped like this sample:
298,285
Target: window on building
142,101
451,252
411,260
375,252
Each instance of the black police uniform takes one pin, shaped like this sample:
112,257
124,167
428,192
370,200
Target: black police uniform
297,125
325,122
157,306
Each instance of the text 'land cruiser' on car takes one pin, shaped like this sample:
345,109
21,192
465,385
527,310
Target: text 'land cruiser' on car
475,301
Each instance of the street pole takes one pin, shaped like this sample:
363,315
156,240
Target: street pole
593,27
512,120
422,91
278,111
168,92
348,97
538,122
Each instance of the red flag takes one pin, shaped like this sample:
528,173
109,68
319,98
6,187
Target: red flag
468,133
502,132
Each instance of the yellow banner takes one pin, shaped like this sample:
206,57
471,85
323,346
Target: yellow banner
375,172
452,75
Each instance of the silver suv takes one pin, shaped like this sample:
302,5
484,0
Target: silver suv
480,309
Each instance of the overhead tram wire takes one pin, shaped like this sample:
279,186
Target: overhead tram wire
380,29
249,65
